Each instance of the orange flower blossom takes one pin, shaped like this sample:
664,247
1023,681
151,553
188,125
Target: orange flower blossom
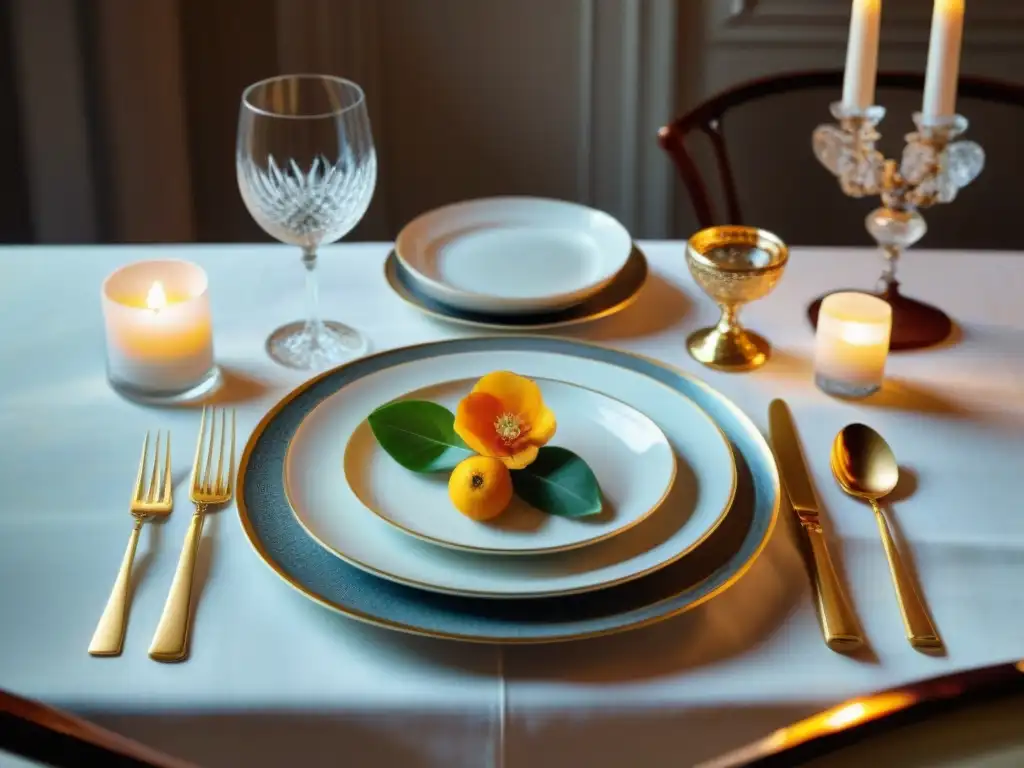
504,417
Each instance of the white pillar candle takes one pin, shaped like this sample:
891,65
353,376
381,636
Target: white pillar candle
158,328
943,60
862,55
851,344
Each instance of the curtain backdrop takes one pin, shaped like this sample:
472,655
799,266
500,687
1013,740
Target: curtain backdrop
126,109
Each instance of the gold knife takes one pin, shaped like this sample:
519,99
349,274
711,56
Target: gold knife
838,624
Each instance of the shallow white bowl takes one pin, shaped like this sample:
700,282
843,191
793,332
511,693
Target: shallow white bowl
631,458
509,255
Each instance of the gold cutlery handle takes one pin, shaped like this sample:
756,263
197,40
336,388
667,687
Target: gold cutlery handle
838,624
108,639
170,642
918,624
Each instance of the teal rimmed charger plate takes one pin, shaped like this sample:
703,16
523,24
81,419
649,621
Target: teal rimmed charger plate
301,562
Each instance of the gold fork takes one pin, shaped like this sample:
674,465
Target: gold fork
149,501
209,488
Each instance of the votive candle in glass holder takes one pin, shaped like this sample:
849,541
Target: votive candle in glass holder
852,343
159,332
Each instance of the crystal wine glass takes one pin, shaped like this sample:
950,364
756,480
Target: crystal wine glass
307,169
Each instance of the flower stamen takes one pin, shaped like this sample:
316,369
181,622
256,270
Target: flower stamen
508,427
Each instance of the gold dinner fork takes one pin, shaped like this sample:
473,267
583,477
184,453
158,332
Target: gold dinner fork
150,501
209,488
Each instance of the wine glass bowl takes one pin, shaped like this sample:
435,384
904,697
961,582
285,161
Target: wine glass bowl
307,168
734,265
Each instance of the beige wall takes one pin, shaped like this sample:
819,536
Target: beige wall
559,98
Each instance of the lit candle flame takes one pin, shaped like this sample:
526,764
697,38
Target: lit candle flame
863,334
156,299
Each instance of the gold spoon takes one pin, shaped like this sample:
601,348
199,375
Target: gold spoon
865,467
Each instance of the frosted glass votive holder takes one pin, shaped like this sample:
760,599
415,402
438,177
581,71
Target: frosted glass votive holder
159,332
851,344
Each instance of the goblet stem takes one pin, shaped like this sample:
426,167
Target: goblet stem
729,320
314,326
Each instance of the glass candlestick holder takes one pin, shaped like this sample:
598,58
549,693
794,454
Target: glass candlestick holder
934,167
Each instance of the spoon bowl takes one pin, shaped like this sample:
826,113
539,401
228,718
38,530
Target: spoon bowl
863,463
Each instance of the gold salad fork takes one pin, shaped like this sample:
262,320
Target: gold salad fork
210,487
148,501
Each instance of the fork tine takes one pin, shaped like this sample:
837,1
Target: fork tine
139,479
219,485
206,486
165,497
151,494
196,465
231,461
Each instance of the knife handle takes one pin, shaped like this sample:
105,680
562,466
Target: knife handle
838,624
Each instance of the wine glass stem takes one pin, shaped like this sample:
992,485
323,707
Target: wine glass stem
313,324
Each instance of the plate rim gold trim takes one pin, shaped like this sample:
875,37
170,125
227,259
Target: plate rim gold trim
545,550
580,295
512,639
726,508
519,330
730,232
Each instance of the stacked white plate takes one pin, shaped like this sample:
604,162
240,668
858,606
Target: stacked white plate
510,259
688,488
661,495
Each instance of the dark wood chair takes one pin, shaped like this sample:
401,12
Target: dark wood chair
51,737
967,718
709,118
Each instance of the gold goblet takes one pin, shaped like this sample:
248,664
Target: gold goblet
734,266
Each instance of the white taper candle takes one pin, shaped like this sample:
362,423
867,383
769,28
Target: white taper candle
943,60
862,54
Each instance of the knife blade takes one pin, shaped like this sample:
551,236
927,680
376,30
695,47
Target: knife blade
838,624
792,465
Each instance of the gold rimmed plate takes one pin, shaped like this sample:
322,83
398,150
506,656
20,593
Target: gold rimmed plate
512,255
715,562
335,512
631,457
616,296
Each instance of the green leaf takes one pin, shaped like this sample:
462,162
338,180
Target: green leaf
419,435
560,483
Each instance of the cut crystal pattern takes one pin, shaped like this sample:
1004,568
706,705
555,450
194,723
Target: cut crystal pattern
932,169
857,165
920,160
310,207
830,142
964,162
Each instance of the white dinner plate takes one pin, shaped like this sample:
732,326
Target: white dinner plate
511,255
622,292
333,514
631,458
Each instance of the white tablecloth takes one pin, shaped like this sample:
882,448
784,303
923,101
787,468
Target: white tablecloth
275,680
